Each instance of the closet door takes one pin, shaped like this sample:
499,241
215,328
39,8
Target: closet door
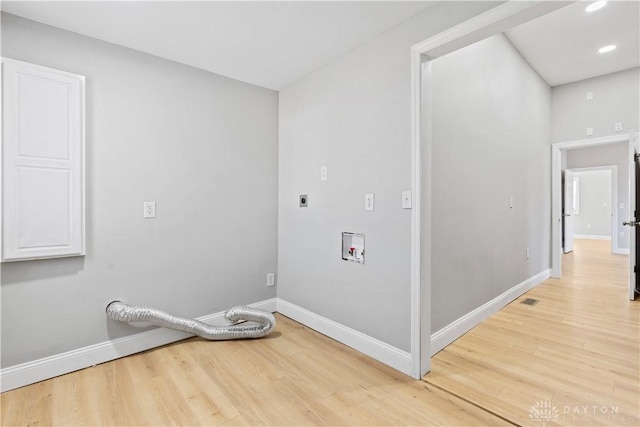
42,162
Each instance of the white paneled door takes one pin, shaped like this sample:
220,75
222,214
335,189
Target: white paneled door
42,162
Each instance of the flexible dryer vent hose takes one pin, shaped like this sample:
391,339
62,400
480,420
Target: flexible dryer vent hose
258,322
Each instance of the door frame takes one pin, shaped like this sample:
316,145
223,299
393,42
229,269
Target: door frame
487,24
634,149
557,150
567,175
613,170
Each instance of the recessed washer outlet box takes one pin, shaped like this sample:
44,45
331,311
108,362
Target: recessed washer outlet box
353,247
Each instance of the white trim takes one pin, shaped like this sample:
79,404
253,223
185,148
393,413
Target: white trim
63,363
621,251
420,234
557,150
633,206
556,212
602,140
493,21
591,237
613,226
381,351
456,329
486,24
77,162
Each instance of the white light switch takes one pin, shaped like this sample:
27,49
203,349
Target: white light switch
324,173
589,96
149,209
368,202
406,200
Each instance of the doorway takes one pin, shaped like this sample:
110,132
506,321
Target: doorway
626,195
496,20
594,208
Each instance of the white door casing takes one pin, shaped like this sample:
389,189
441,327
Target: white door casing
557,150
633,214
500,18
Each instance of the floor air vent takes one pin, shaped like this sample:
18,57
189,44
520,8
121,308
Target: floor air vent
530,301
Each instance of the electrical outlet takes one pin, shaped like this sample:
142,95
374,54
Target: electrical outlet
368,201
589,96
618,127
589,131
149,209
324,173
304,200
271,279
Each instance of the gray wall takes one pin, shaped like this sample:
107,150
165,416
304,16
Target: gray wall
203,146
615,99
354,115
491,118
606,155
594,218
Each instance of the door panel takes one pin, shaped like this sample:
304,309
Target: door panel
634,241
42,162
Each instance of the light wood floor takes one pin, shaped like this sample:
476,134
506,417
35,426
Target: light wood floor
293,377
578,347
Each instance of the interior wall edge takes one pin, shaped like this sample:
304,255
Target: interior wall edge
372,347
445,336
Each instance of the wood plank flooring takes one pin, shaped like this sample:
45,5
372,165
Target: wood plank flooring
576,348
293,377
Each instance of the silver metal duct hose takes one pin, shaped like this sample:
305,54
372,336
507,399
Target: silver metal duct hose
257,323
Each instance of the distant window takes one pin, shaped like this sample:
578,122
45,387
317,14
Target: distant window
576,195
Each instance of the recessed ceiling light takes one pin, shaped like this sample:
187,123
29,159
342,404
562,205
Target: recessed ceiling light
595,6
606,49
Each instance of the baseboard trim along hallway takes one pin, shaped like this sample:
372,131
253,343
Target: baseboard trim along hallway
52,366
456,329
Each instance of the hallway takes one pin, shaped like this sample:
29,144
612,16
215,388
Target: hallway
570,359
573,356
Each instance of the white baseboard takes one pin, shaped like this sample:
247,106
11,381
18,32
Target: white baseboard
385,353
591,237
59,364
456,329
621,251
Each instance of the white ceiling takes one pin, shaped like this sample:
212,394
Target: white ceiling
269,44
563,45
274,43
